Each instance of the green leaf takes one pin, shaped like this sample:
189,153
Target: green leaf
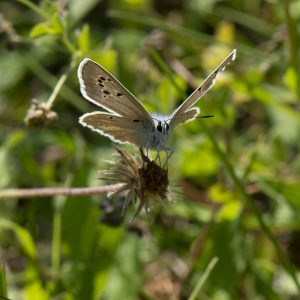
45,28
39,30
23,236
290,191
127,265
3,288
290,78
286,122
204,166
34,287
56,25
106,58
231,204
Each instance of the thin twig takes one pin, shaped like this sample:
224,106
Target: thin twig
45,192
56,90
203,278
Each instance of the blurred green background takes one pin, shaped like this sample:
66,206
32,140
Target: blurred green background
238,171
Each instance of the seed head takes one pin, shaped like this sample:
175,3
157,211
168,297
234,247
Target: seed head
142,180
39,114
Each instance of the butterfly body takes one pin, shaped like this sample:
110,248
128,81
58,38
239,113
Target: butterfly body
160,135
126,119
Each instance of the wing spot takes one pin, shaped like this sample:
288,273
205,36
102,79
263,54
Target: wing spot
102,78
111,118
136,120
100,84
119,94
200,89
106,92
108,79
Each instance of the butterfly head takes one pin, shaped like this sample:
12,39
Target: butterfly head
162,127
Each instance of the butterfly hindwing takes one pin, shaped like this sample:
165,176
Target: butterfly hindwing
187,116
117,128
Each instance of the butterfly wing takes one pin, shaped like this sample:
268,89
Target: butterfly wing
101,88
201,90
187,116
128,120
117,128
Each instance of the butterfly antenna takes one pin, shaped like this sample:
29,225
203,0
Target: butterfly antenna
203,117
155,119
200,117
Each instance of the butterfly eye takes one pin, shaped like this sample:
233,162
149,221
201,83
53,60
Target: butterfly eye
167,127
159,127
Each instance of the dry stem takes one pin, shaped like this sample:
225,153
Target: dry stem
45,192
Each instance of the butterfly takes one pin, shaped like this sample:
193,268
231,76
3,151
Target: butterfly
126,120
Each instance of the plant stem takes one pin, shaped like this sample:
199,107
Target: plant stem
34,7
56,241
239,185
187,33
46,192
203,278
56,90
67,43
165,68
66,93
294,42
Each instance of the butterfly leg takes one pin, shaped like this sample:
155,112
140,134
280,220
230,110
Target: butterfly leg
168,156
147,152
142,151
143,156
158,158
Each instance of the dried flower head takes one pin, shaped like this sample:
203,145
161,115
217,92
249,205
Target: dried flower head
141,178
39,114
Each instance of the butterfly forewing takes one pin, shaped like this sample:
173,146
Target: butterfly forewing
204,87
103,89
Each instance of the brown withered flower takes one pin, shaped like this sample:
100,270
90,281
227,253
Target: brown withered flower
142,180
39,114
